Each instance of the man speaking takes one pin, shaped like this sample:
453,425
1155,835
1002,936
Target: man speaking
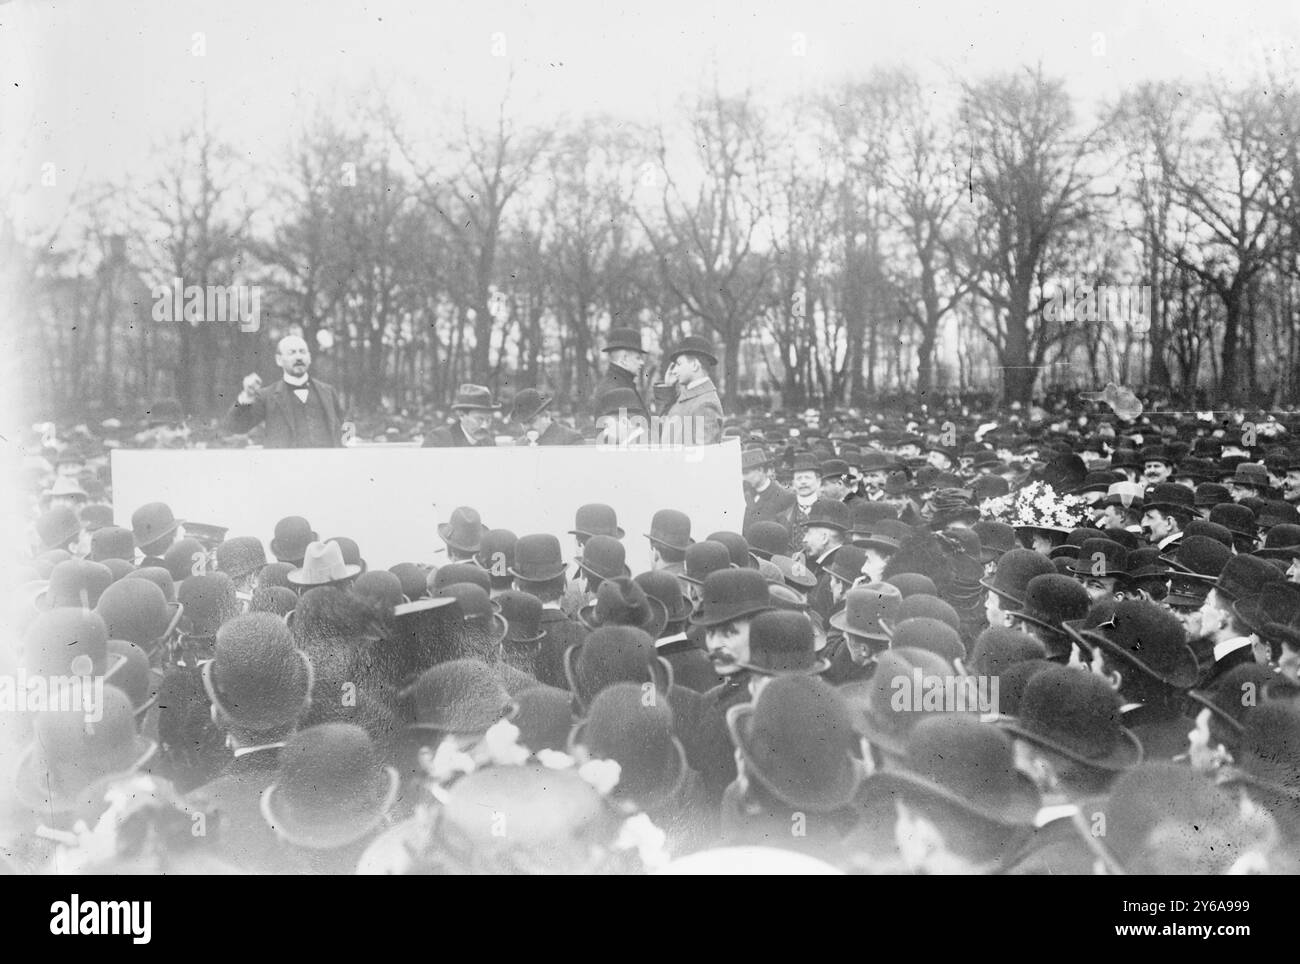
300,412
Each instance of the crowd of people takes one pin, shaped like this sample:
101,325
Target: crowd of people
942,641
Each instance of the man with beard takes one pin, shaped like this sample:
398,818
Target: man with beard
299,411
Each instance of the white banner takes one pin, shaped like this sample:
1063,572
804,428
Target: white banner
391,500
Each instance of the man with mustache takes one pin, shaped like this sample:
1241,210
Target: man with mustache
474,410
300,412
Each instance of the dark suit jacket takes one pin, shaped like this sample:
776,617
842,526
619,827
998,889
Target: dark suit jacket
272,407
452,437
615,377
557,434
770,505
561,633
234,797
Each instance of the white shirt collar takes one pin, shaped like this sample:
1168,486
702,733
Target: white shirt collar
1231,646
299,382
675,638
241,751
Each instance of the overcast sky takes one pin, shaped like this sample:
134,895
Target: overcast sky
94,87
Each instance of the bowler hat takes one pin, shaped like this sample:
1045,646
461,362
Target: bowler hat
927,633
136,610
57,527
185,558
414,579
1276,512
293,534
461,696
454,572
1281,542
622,602
151,522
209,601
1149,637
464,531
996,539
1101,558
614,654
954,759
846,565
782,641
731,594
380,585
767,539
66,641
1243,576
704,558
241,556
476,607
604,557
1015,569
693,345
95,517
75,582
157,575
256,677
637,734
523,614
738,548
806,462
596,519
528,404
331,788
1076,715
671,528
1211,494
623,339
829,515
537,558
473,398
665,587
69,753
496,554
754,458
1170,497
998,648
882,719
798,740
112,542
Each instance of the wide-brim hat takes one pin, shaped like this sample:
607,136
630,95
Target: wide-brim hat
447,532
338,829
322,565
474,397
831,795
